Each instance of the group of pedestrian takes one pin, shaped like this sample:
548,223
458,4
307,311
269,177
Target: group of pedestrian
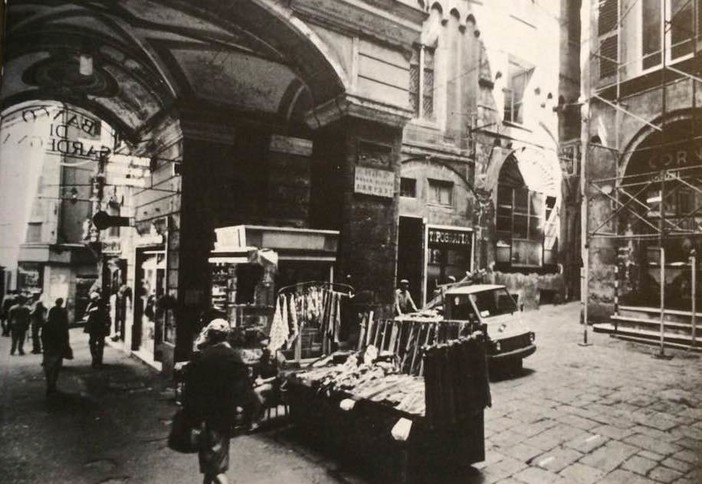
22,312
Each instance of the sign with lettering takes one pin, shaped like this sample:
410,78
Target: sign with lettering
676,157
459,238
371,181
290,145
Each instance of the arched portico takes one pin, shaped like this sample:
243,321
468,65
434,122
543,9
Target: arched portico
248,114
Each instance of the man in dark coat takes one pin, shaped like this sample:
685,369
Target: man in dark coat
56,344
98,327
19,316
38,315
216,383
8,301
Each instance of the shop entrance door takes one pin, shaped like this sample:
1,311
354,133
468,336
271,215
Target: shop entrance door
147,333
409,255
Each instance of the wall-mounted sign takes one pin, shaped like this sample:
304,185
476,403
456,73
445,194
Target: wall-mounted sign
112,246
290,145
371,181
680,157
450,237
30,276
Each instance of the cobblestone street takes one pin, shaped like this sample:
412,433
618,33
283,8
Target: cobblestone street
608,412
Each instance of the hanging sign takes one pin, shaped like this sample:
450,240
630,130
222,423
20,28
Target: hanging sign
371,181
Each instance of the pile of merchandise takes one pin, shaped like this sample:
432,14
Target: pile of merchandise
364,377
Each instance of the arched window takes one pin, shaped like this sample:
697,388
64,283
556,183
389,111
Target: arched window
526,223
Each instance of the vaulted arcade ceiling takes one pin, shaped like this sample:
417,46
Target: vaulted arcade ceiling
149,56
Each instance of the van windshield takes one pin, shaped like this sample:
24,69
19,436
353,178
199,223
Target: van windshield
493,303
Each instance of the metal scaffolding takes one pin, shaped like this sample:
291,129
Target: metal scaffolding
629,195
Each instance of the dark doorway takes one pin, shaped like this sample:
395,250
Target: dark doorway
409,255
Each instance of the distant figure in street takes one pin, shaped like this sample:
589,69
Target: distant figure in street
216,383
403,299
98,327
19,316
8,301
266,386
37,317
56,344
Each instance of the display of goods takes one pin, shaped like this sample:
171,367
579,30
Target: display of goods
364,377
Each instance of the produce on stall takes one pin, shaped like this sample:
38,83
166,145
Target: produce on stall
406,409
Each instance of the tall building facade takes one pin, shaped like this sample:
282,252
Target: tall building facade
483,173
642,93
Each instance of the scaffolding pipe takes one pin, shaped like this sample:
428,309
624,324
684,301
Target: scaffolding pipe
693,278
662,303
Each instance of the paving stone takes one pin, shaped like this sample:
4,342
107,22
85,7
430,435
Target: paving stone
647,454
639,464
522,451
506,438
543,441
668,436
693,457
532,429
612,432
620,476
557,459
502,469
587,443
678,465
663,474
688,443
609,456
581,474
534,475
578,422
650,443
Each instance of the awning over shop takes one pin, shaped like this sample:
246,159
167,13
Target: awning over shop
255,244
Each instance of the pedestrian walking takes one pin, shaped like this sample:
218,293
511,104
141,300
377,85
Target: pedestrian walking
56,344
216,383
19,316
98,327
8,301
37,322
403,299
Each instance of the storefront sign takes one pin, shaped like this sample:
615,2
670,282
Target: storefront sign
676,158
290,145
450,237
30,276
372,181
112,246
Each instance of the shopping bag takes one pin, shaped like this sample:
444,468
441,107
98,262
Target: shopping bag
68,353
184,436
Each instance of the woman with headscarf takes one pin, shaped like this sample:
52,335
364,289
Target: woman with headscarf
216,383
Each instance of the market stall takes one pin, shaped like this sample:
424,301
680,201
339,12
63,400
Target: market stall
407,411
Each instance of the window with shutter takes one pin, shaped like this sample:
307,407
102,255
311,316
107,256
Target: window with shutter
609,40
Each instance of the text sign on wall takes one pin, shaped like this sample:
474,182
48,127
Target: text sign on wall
450,237
290,145
681,157
371,181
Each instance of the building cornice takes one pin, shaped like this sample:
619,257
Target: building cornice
350,105
390,21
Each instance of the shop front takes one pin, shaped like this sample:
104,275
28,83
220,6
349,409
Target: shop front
150,297
449,254
252,266
662,233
